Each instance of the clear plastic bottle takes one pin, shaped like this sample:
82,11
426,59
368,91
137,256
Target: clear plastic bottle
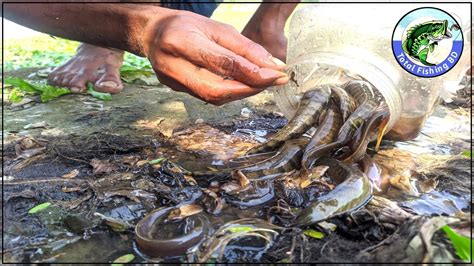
333,43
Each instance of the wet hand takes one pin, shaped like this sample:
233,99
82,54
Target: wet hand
209,60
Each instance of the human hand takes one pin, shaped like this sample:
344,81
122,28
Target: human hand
208,59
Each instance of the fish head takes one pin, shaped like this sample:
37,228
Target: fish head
440,30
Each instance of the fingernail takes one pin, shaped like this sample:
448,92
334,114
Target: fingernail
278,62
108,84
75,89
281,81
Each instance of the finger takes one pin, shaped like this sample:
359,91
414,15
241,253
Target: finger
224,62
247,48
182,75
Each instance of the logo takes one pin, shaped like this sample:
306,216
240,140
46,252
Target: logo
427,42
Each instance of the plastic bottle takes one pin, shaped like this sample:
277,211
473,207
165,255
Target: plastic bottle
333,43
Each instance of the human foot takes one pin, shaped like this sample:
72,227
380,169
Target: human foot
100,66
267,25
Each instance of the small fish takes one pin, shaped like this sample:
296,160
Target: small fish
311,105
346,103
325,134
352,193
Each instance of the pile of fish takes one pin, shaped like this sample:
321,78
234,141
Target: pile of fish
317,164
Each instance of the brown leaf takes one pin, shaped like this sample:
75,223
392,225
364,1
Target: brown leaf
403,183
71,174
102,166
70,189
184,211
142,163
243,180
130,160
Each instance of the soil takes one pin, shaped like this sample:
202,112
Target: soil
91,157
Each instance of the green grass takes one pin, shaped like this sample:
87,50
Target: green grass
44,51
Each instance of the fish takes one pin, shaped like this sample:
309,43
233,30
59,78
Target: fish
311,105
352,193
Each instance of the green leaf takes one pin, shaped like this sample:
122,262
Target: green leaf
124,259
15,95
22,85
143,75
313,233
467,153
39,207
50,92
155,161
105,96
46,92
461,244
240,229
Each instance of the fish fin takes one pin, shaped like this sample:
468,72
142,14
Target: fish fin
423,55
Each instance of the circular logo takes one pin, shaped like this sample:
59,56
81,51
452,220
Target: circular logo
427,42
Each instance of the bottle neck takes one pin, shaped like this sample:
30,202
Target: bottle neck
354,63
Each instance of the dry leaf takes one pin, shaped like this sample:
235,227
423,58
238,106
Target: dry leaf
184,211
141,163
403,183
243,180
102,166
71,174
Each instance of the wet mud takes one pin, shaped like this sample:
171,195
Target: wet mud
105,165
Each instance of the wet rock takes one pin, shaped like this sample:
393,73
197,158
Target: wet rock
78,223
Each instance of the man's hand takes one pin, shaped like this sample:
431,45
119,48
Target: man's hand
208,59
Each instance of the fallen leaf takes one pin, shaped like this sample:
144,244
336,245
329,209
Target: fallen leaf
70,189
104,96
403,183
184,211
142,163
190,180
327,225
467,153
156,161
124,259
39,207
243,180
102,166
313,233
238,229
461,244
71,174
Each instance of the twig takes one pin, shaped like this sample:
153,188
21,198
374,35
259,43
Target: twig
69,158
49,180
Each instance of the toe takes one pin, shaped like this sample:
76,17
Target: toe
78,84
56,79
109,81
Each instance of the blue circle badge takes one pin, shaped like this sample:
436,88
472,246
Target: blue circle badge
427,42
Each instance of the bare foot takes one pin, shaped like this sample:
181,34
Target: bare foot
266,27
100,66
274,42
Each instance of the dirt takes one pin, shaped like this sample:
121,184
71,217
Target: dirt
93,156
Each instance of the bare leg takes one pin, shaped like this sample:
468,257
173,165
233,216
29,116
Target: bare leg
97,65
267,24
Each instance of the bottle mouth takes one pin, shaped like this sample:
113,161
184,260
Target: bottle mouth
309,70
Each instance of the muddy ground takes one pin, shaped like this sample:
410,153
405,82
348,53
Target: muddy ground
87,156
